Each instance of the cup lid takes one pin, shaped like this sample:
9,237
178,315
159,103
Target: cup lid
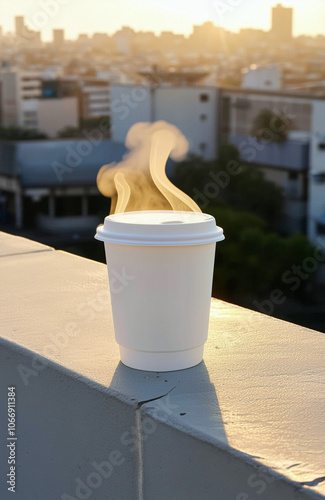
160,228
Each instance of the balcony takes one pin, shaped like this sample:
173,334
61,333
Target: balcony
64,225
291,155
245,424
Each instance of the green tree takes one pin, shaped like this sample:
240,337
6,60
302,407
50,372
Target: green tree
228,152
251,262
69,133
248,190
192,173
272,126
14,133
252,192
102,124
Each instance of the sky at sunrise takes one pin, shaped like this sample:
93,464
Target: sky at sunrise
89,16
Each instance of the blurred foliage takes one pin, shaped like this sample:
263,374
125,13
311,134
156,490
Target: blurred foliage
69,133
241,186
101,125
271,126
251,261
14,133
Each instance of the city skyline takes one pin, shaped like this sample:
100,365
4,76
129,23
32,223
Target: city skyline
110,16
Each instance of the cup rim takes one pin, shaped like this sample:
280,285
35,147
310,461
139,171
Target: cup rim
194,228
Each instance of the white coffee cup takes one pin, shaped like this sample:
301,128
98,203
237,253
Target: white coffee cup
160,269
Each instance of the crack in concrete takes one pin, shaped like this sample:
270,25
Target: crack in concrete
138,421
141,403
314,482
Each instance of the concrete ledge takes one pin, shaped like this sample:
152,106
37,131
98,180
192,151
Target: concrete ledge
67,430
247,423
15,245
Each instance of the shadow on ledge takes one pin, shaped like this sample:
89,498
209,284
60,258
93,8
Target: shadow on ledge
185,397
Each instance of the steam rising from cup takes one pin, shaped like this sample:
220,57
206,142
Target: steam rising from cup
139,181
159,238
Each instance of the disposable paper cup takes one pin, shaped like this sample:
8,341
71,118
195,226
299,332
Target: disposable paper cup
160,269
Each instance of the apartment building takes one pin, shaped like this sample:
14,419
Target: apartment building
316,185
95,95
193,109
262,77
92,94
298,164
208,116
23,104
18,87
51,185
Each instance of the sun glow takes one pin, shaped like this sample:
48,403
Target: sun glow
107,17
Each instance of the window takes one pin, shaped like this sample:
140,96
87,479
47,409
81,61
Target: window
320,228
30,87
67,206
319,178
203,118
293,176
242,103
321,145
204,97
30,79
203,146
49,93
97,205
30,114
31,124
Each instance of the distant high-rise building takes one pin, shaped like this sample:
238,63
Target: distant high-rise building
144,41
35,36
19,25
123,40
282,22
23,33
101,39
206,37
58,36
83,38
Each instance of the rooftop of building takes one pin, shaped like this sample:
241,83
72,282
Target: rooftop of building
246,423
289,93
39,163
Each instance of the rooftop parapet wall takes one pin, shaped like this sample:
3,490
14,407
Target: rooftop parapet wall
247,423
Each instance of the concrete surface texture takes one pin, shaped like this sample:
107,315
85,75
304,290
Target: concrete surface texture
13,245
246,423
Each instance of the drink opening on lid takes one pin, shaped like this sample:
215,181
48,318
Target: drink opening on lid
172,222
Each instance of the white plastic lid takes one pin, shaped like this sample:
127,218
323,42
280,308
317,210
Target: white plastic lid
160,228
